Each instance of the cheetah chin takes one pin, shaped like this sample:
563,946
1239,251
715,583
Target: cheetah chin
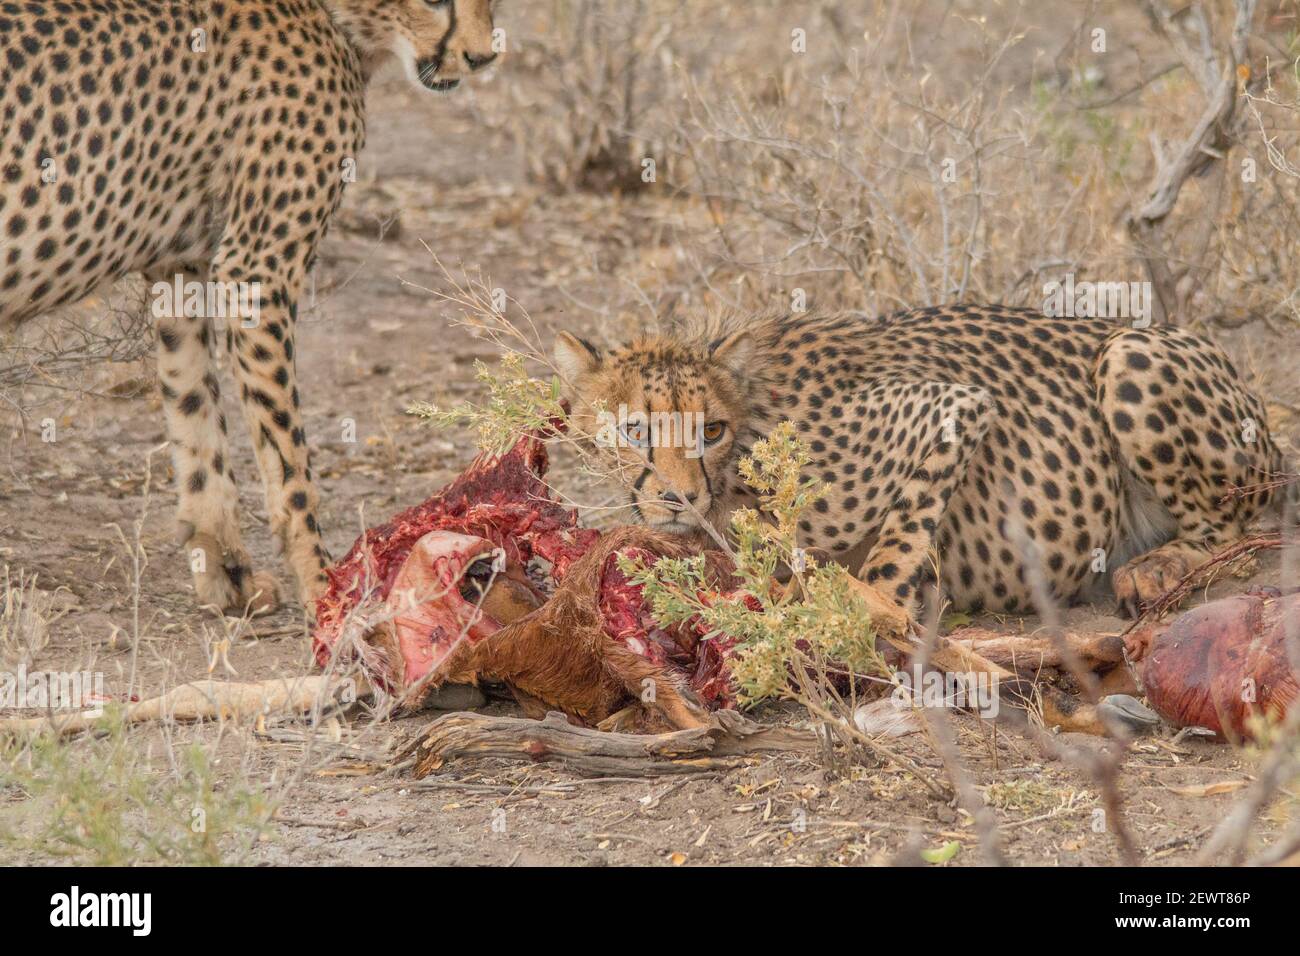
676,527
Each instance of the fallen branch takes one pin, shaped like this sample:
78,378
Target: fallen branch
346,826
717,747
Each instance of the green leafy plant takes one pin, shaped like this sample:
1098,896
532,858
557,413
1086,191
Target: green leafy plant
793,642
516,404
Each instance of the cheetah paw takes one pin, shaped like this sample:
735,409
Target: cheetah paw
1144,580
223,579
1244,568
263,595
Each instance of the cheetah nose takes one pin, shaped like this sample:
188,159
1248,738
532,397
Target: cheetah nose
672,498
478,62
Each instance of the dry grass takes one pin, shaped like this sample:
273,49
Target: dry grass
108,801
26,615
882,164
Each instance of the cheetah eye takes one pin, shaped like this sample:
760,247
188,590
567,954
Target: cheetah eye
713,432
437,3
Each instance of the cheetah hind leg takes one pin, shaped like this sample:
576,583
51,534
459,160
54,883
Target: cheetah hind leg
948,423
1187,433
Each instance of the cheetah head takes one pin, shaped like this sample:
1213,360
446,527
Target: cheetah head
437,41
668,414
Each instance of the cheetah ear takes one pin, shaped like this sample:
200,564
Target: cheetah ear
735,352
574,356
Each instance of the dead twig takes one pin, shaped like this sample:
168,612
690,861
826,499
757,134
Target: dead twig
1200,575
1206,144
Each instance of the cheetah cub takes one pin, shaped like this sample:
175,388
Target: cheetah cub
1018,449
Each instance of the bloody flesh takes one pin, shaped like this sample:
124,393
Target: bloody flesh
501,499
687,649
591,647
1217,665
406,575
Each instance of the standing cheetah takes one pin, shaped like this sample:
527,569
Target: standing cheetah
998,438
208,140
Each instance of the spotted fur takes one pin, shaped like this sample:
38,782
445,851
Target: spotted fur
994,444
208,139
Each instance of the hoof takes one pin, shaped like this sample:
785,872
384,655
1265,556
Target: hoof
1128,713
454,697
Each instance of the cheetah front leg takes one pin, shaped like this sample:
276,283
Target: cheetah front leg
929,432
267,271
264,367
207,510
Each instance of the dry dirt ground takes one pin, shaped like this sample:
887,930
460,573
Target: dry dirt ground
374,342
